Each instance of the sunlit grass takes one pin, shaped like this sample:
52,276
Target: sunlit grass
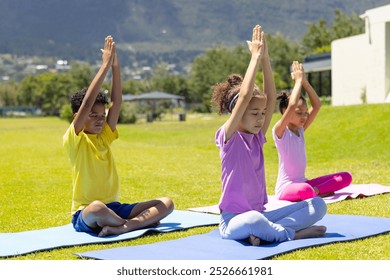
180,160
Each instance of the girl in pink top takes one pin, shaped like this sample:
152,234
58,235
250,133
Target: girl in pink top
288,134
240,140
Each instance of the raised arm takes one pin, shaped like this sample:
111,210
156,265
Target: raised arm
297,75
115,93
256,47
93,89
314,101
269,88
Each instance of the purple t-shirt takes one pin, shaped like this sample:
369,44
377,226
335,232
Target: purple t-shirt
243,177
292,158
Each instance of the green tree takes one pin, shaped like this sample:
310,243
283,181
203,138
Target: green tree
214,66
8,94
47,91
344,26
51,91
80,75
283,52
131,86
163,80
320,35
29,93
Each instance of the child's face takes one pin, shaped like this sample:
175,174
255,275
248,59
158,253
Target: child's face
300,115
96,119
254,116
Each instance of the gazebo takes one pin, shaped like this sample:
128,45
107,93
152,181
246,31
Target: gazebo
153,98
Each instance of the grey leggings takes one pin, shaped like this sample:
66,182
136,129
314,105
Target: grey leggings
273,226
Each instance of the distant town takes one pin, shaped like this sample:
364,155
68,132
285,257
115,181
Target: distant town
16,68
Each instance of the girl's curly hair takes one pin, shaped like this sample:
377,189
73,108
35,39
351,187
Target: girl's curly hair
77,99
223,93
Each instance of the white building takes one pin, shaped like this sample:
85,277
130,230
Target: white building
361,64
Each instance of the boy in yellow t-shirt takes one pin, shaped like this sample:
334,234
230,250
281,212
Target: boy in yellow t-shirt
95,205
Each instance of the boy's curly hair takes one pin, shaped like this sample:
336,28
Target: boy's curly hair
223,93
77,99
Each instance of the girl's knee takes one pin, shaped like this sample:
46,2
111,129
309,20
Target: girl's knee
243,225
254,218
347,178
319,206
298,192
306,192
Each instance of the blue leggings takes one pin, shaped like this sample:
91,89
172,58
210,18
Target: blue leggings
273,226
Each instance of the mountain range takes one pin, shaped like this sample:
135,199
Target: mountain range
69,28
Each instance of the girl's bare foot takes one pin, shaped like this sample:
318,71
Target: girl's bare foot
317,191
254,241
326,194
313,231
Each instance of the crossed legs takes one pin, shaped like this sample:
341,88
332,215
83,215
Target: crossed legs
295,221
144,214
321,186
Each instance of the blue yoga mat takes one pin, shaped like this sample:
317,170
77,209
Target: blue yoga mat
19,243
211,246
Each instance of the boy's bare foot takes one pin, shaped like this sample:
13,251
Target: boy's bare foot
110,230
313,231
153,225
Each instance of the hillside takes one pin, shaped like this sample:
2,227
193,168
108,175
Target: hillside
69,28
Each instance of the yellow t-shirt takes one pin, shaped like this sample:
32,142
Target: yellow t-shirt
94,173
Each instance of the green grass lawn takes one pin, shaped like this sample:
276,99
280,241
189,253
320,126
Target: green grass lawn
180,160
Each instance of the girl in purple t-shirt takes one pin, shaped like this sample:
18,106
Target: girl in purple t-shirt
240,140
288,134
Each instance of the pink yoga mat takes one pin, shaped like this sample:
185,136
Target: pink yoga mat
350,192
